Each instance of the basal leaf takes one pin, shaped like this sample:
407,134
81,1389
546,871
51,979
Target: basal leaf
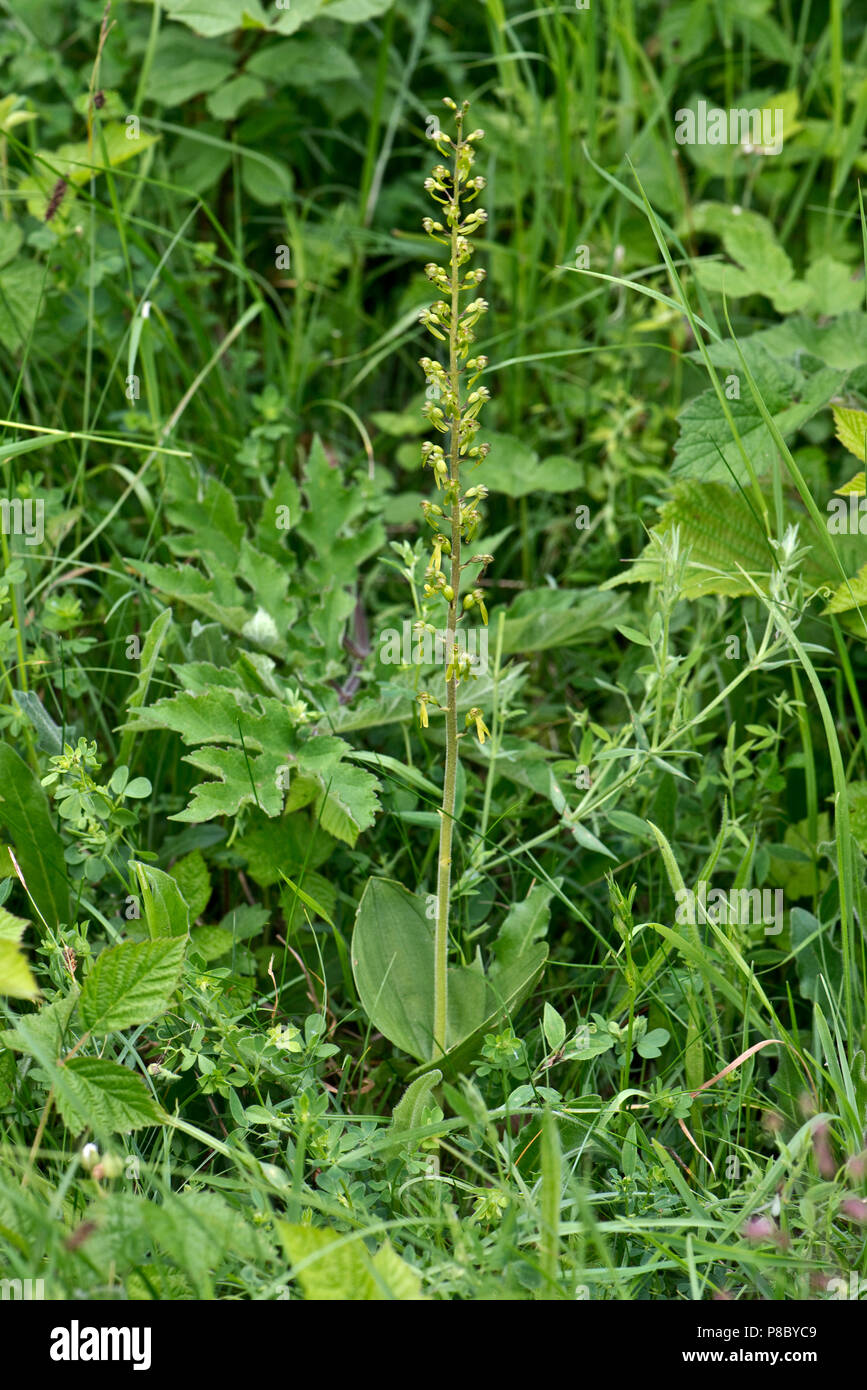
165,910
38,848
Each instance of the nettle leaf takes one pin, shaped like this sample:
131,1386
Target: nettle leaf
12,928
38,848
131,984
338,1268
15,977
852,593
851,430
43,1035
91,1093
706,448
719,532
75,164
21,299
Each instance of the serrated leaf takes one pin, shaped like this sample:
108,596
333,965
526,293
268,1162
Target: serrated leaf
850,426
851,594
131,984
91,1093
15,977
12,928
21,299
718,532
706,448
43,1035
338,1268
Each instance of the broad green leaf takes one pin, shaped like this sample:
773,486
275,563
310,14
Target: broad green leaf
392,960
338,1268
229,100
553,1027
12,928
513,468
183,68
706,448
718,531
197,591
75,164
15,977
131,984
213,17
764,267
95,1094
308,61
38,848
44,1035
851,430
833,290
194,880
165,911
524,925
851,594
542,619
21,286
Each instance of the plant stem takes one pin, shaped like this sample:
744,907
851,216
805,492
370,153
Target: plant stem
444,873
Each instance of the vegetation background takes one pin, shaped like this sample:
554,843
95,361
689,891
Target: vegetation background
211,275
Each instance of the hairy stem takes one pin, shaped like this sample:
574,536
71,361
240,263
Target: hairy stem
444,874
